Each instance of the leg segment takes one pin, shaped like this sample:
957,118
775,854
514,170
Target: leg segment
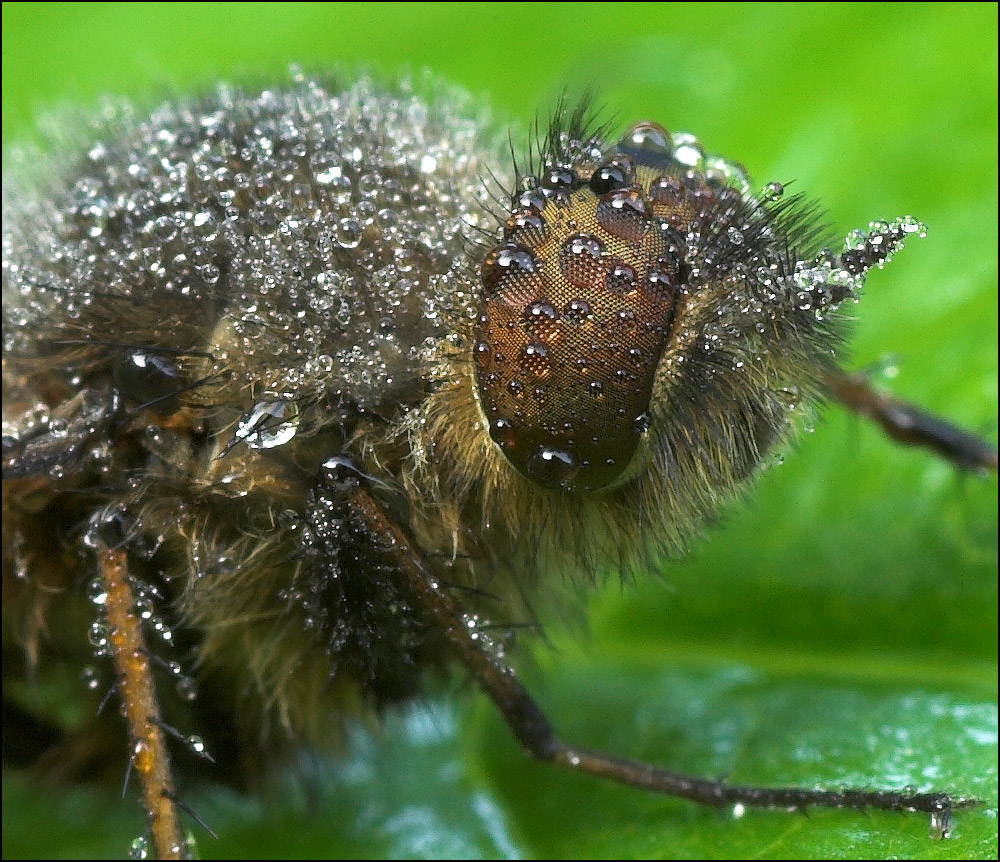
911,426
532,729
148,753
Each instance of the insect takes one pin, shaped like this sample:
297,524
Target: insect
316,384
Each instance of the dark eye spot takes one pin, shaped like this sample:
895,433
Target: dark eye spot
610,175
559,182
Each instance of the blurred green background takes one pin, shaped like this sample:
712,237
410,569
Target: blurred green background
839,626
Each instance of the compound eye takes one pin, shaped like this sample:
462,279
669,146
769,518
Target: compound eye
576,310
648,144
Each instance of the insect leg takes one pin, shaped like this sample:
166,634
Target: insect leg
910,425
533,730
148,753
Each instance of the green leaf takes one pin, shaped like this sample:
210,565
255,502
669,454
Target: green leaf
839,626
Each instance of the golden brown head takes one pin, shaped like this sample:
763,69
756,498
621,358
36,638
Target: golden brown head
578,305
644,308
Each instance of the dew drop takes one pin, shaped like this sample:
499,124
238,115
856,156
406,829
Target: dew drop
98,636
688,151
856,239
647,143
165,229
210,273
940,826
163,630
327,176
197,746
96,592
541,312
270,424
772,191
142,757
550,467
186,688
613,175
349,233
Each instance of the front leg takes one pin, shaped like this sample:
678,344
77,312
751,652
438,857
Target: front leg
472,648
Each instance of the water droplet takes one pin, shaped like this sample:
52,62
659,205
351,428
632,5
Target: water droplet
940,826
270,424
96,592
349,232
535,351
772,191
98,636
165,229
163,630
647,143
139,848
329,175
186,688
578,310
688,151
197,746
210,273
856,239
142,757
